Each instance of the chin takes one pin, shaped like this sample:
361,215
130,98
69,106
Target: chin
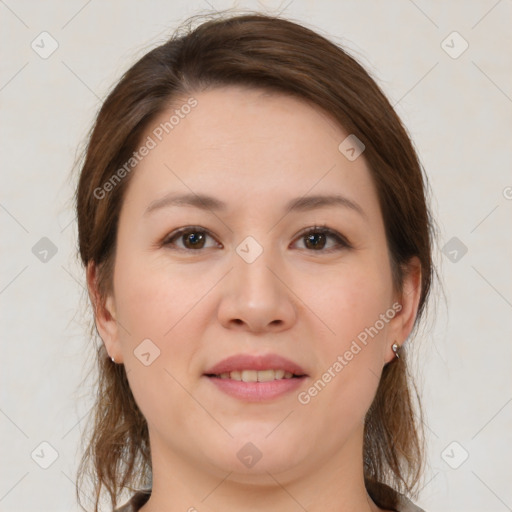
248,457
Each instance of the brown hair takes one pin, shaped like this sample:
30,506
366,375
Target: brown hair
274,54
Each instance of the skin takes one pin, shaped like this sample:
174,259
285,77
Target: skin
255,151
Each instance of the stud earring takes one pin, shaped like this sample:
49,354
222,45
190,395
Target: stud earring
113,360
396,348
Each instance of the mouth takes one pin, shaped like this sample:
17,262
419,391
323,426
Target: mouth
256,378
256,375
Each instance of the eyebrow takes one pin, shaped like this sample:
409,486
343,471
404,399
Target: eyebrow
206,202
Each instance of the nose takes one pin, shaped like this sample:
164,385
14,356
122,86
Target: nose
256,296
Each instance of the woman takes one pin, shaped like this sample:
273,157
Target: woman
253,223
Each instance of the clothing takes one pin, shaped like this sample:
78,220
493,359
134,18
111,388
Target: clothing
406,505
136,502
141,497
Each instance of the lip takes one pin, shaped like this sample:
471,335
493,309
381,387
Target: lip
240,362
256,391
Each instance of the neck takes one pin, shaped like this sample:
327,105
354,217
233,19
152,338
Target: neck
337,484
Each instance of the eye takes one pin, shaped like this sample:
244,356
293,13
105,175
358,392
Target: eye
192,238
316,239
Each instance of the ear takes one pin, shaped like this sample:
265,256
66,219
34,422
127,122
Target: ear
104,314
402,323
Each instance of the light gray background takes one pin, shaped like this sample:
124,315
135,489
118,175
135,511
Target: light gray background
459,113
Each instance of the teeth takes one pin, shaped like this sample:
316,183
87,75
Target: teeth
266,375
250,375
256,376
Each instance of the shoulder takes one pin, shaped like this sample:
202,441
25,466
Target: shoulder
136,501
403,504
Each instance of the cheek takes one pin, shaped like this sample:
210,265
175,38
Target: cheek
351,302
152,300
351,359
153,310
156,309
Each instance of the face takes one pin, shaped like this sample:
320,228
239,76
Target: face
274,258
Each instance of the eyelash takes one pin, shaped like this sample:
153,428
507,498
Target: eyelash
342,242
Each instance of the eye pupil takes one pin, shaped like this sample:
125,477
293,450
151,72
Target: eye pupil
314,238
195,239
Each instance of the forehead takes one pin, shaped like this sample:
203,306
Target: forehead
247,117
243,141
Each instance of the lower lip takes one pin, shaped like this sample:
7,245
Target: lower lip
257,391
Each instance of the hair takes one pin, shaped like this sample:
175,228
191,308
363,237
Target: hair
273,54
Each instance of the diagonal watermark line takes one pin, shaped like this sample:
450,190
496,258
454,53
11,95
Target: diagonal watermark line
307,192
427,426
508,401
14,485
217,486
498,292
81,80
73,277
491,80
14,76
213,286
373,373
286,491
300,299
124,329
82,493
280,423
430,430
75,15
211,5
13,279
13,217
3,3
68,224
416,84
508,508
285,7
497,206
77,423
14,423
428,483
198,403
424,14
485,15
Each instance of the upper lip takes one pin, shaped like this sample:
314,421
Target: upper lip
240,362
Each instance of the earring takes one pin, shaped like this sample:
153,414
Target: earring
396,347
113,360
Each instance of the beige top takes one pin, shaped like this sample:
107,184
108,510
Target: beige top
141,497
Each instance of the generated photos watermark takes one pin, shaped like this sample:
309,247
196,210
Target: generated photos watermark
304,397
151,142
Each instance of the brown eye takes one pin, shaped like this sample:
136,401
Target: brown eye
189,238
318,239
315,240
193,240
